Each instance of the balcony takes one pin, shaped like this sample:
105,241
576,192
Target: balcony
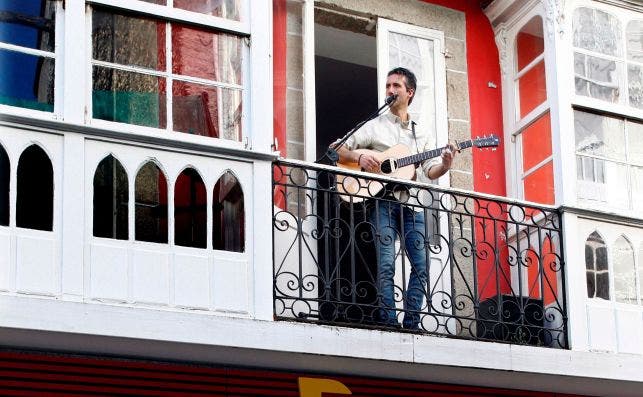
495,272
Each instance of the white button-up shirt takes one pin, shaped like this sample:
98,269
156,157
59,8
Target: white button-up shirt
388,130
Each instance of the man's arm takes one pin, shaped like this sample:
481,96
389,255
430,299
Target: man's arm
437,170
365,161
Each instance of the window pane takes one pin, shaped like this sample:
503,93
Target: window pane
128,40
111,197
597,31
35,193
228,223
529,42
634,36
641,274
624,272
596,77
213,56
29,24
616,185
603,286
190,210
637,189
591,284
536,142
128,97
635,85
597,282
27,81
230,9
539,185
151,204
4,187
532,89
205,110
599,135
634,142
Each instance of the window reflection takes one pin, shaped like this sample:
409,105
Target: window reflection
27,81
128,97
228,215
35,191
5,174
30,24
190,213
111,198
128,40
229,9
596,267
624,271
151,204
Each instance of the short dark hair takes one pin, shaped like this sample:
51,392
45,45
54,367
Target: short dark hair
411,80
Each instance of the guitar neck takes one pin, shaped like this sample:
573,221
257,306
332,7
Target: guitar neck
418,158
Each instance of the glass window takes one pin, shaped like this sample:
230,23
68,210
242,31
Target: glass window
609,160
597,31
230,9
28,65
5,174
531,85
111,198
624,271
634,38
151,204
35,191
228,213
197,88
596,267
605,68
190,211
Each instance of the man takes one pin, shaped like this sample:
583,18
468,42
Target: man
397,216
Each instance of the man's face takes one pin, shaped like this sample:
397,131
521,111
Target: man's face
396,84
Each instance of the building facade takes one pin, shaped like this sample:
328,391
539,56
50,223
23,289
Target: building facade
170,221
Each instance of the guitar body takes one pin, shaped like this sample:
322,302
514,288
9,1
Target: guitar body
356,189
363,188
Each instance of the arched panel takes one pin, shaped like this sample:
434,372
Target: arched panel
624,271
190,210
151,204
597,272
111,198
228,214
35,190
5,175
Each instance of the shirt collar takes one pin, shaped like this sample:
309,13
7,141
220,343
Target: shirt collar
395,119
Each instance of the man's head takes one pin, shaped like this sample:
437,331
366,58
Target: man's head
406,78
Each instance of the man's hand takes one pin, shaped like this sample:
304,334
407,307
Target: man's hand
448,154
368,163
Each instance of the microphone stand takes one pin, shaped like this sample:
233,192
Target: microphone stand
331,153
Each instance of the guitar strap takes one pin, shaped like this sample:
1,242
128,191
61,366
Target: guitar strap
415,137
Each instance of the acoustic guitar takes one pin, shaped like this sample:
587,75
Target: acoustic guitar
396,162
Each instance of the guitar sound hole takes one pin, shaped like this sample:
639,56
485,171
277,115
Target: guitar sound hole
388,166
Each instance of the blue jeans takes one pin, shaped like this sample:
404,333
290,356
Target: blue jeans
394,221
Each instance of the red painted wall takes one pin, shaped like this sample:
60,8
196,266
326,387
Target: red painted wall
38,374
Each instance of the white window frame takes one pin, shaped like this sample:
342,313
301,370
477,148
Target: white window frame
514,125
171,15
621,107
58,58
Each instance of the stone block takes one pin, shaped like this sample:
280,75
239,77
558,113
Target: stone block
294,115
294,62
457,59
457,96
461,179
294,17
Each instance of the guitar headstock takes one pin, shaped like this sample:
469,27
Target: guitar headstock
486,141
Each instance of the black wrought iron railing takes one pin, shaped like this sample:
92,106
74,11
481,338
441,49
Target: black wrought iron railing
482,267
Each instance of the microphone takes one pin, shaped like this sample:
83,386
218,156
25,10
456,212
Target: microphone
390,99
